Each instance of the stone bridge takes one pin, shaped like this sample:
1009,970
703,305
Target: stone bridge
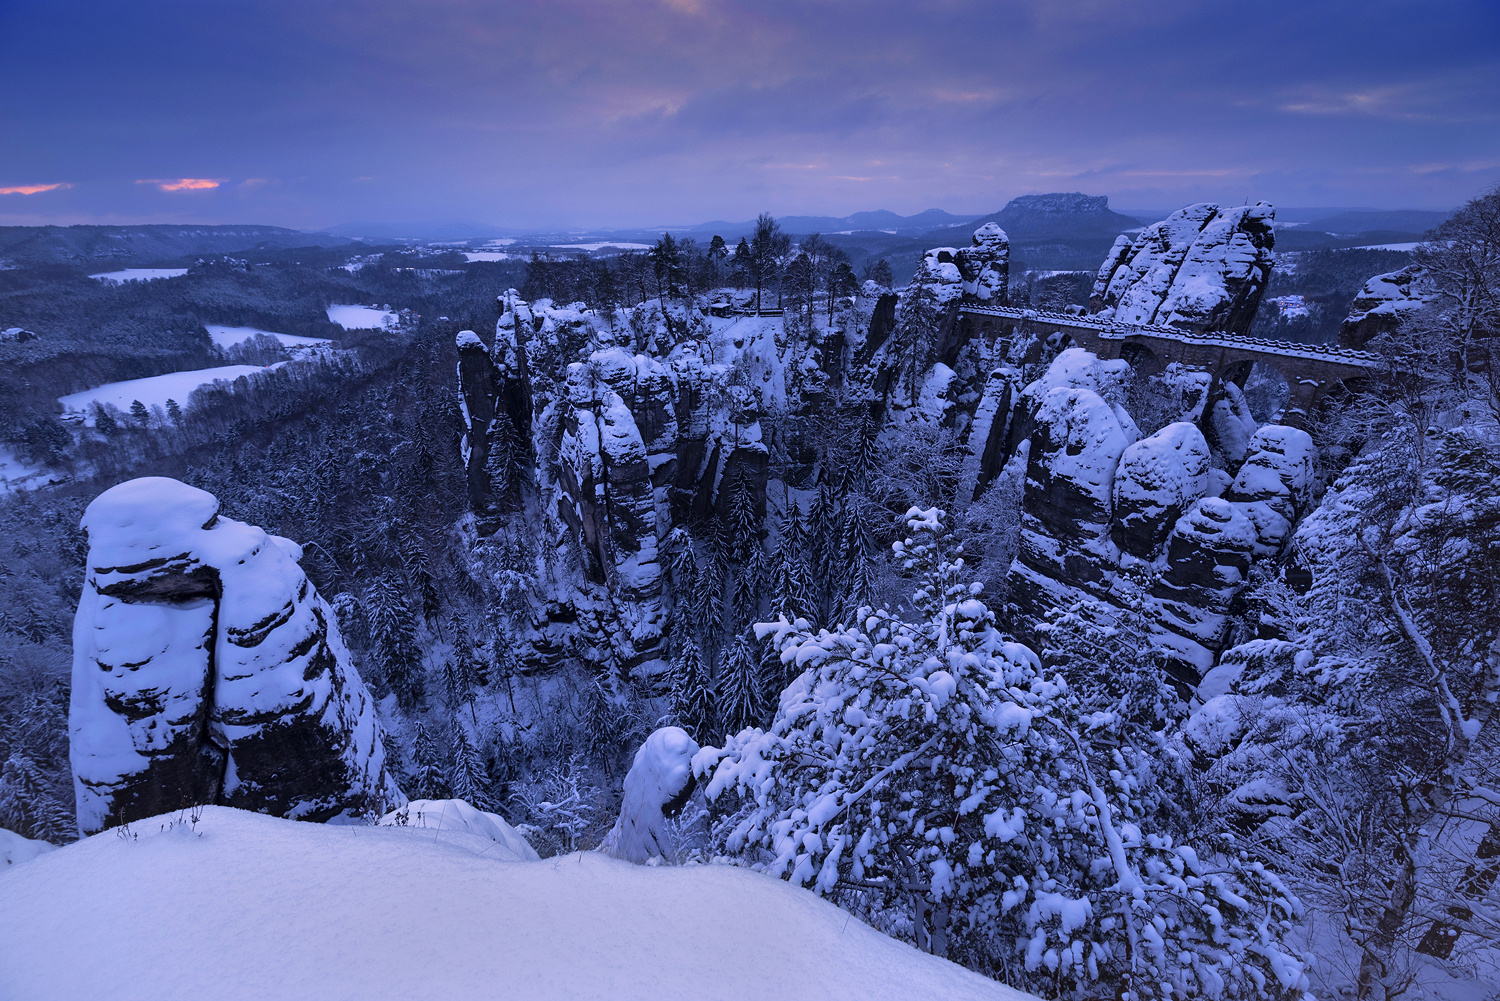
1310,370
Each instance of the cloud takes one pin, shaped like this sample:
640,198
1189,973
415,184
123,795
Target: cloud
32,189
185,183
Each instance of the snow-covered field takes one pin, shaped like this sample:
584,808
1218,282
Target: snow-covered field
139,275
360,317
152,391
226,337
487,255
18,475
1391,246
241,905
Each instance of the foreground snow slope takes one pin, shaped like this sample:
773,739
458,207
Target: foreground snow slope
246,906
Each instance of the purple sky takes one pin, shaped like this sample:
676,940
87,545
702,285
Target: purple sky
652,112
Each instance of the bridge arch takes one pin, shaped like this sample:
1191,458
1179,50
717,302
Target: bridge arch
1141,358
1267,389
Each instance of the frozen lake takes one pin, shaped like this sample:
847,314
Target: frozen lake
226,337
361,317
154,390
139,275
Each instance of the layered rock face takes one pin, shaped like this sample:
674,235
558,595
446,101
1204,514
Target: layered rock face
207,669
1203,268
1099,498
1382,305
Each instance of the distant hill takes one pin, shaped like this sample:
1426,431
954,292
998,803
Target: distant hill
879,221
1062,231
24,246
1404,220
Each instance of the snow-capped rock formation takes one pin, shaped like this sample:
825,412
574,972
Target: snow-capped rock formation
1201,268
659,782
626,427
985,266
1157,480
1382,305
459,815
206,669
1099,499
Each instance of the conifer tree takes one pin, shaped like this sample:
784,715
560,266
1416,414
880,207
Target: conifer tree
692,691
394,635
500,465
432,782
740,685
174,412
744,523
28,807
792,590
855,575
601,730
466,774
139,414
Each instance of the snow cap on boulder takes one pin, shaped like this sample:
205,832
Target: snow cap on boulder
1157,480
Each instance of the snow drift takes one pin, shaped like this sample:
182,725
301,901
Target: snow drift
239,905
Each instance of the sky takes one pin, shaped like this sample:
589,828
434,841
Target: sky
638,113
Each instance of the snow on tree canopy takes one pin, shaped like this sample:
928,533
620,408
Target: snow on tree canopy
206,669
659,781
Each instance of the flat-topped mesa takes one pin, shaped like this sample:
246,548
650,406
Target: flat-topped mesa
207,669
1203,268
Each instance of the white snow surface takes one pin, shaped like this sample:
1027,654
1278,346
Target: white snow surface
662,769
154,390
458,815
15,849
361,317
139,275
487,255
244,906
17,475
226,337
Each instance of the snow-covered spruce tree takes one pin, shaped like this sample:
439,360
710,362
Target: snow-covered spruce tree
466,773
432,780
932,764
27,805
692,689
740,687
792,590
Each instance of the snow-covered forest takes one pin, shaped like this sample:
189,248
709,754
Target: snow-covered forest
1097,670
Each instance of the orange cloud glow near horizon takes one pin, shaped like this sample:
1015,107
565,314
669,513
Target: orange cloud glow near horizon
185,184
32,189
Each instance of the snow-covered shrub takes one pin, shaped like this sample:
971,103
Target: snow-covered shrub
933,763
658,784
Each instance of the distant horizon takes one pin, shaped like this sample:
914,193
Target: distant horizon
388,228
